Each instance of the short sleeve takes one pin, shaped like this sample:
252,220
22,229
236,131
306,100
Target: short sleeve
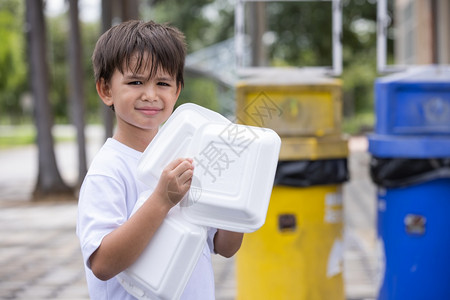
101,209
210,238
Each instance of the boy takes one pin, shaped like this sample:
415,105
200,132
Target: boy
138,69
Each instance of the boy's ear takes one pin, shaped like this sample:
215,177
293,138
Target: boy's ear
104,91
179,90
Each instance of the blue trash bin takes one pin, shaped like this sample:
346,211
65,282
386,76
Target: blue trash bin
413,124
413,225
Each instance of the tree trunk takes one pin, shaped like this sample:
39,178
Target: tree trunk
257,27
130,10
49,182
76,88
108,115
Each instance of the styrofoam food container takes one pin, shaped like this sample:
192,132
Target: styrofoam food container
165,266
234,167
233,192
174,138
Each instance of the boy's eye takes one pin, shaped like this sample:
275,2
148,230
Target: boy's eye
163,84
135,82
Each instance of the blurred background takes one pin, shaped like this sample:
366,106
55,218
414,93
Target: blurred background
289,34
295,34
52,121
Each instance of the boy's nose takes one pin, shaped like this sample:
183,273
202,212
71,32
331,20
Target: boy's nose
149,94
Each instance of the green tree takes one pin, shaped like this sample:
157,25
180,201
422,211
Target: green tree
58,41
301,33
58,32
90,33
13,71
204,22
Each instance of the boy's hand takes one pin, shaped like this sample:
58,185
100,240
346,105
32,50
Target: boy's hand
175,180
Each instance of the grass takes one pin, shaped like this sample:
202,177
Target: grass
23,135
13,136
14,141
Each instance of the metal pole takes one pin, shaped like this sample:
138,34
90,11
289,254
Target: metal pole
337,37
382,23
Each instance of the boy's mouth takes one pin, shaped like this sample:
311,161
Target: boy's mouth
149,111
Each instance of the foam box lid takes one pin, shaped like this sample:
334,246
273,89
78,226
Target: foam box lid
234,167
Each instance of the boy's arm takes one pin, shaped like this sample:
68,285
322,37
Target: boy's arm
121,247
227,243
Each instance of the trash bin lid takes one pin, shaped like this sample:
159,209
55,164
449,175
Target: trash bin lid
409,146
430,73
414,102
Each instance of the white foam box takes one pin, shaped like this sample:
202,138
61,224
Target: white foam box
234,167
163,269
232,183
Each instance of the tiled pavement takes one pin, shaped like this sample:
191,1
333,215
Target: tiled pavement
39,251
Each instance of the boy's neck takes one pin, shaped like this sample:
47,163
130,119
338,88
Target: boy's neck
137,141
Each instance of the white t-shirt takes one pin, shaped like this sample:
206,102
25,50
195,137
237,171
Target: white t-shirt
107,198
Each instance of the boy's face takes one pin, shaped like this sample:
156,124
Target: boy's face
139,102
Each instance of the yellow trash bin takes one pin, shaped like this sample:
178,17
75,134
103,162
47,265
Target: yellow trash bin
298,253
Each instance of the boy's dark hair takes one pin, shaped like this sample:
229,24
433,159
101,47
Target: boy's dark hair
162,45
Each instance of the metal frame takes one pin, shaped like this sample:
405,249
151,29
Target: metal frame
335,69
382,26
383,22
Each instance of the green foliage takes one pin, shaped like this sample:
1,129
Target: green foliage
59,34
359,59
90,34
13,71
58,29
358,79
204,22
200,91
301,33
359,124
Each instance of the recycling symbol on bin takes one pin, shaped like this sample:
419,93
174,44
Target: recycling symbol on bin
262,110
436,110
293,107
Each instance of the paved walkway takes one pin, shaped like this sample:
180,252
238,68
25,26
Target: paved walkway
39,252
